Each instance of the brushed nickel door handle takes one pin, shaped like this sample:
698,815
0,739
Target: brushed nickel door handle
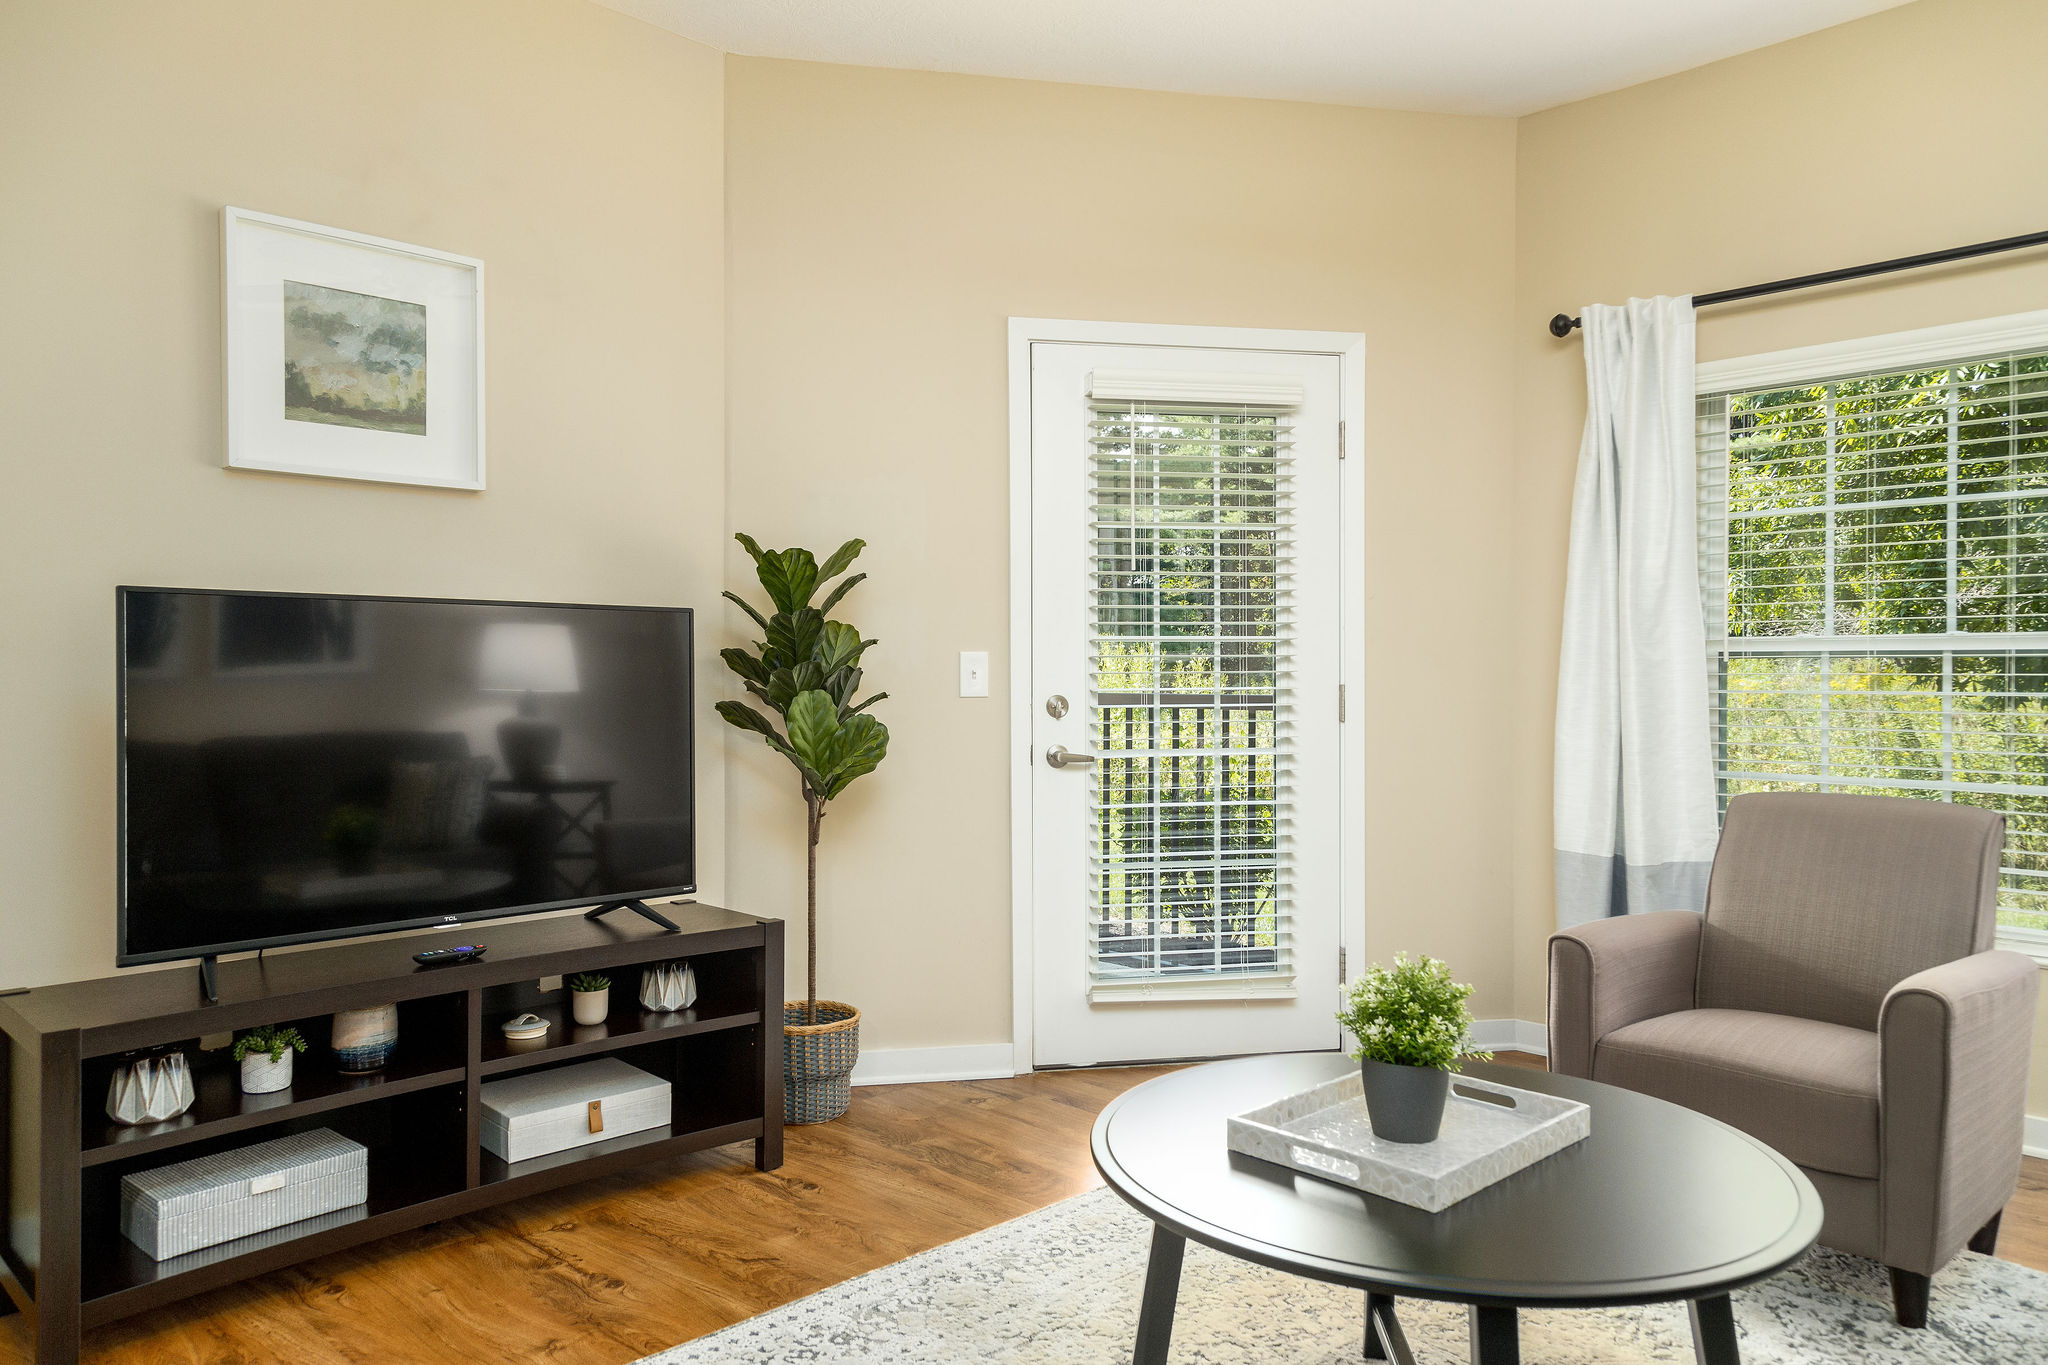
1058,757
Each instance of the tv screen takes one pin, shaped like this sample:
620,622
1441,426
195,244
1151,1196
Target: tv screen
297,767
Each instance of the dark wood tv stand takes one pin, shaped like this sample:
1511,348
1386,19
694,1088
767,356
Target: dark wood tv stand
63,1260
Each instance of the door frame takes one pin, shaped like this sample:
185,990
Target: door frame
1349,349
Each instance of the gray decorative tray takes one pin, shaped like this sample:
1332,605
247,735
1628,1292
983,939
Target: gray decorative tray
1489,1132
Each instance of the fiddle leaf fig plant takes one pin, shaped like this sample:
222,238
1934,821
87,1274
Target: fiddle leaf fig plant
805,672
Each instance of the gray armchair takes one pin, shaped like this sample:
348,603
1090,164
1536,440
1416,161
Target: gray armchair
1838,1000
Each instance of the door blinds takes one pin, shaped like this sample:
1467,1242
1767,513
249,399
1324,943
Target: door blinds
1874,557
1191,702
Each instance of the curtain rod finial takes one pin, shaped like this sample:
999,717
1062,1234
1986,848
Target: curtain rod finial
1562,324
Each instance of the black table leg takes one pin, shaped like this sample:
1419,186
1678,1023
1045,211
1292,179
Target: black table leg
1162,1288
1713,1331
1384,1339
1496,1337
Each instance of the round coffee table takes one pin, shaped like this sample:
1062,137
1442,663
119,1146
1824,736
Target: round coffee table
1659,1204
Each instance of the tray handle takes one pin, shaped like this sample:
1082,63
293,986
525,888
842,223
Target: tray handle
1310,1158
1482,1092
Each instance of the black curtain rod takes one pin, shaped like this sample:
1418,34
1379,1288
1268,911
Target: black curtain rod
1562,324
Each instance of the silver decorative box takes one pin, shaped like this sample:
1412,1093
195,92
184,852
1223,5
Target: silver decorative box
212,1199
552,1111
1325,1132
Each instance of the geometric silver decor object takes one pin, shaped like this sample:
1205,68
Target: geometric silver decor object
150,1090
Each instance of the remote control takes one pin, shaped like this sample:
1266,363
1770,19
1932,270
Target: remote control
438,957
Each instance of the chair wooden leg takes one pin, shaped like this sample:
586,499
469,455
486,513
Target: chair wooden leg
1909,1296
1985,1243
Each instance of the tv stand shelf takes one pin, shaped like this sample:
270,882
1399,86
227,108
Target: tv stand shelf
61,1159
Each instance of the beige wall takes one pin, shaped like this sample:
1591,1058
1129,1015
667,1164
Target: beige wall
882,226
1875,139
577,152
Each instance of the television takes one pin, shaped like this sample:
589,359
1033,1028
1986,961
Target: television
296,767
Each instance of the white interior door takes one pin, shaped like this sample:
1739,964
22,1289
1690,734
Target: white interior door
1186,645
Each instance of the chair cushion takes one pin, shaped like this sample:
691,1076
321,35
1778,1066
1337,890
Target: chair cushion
1806,1088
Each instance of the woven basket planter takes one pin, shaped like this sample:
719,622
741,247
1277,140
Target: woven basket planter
817,1061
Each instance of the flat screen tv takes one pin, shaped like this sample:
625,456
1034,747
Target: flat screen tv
297,767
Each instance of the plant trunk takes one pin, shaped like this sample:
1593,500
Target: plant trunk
814,811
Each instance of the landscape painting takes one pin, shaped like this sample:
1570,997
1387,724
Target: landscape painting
354,360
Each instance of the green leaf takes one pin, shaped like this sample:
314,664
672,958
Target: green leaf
833,597
744,605
793,637
879,696
839,646
745,664
813,723
842,684
746,718
753,546
785,683
790,576
858,747
838,560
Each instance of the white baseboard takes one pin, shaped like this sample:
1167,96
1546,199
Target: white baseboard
904,1065
2034,1141
1511,1035
986,1061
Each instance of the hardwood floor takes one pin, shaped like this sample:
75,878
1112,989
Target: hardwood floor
606,1272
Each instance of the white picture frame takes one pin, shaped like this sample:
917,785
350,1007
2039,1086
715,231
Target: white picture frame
346,356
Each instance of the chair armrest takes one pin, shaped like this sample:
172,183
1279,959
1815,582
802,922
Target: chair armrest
1953,1048
1615,972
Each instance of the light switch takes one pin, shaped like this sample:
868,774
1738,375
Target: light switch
973,672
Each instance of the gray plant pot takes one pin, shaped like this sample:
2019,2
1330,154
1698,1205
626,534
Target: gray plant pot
1405,1103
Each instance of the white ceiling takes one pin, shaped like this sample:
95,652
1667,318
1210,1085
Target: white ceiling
1448,56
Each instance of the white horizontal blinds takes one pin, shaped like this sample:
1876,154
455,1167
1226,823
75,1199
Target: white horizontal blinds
1880,594
1191,701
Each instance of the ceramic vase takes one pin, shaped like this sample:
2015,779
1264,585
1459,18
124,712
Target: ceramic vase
668,986
150,1090
1404,1103
260,1075
363,1039
590,1007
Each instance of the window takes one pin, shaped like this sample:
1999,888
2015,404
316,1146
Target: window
1875,573
1193,512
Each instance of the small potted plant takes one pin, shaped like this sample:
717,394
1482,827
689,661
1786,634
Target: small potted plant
1412,1027
590,997
265,1053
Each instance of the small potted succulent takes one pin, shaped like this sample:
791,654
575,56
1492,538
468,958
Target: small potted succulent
265,1053
590,997
1412,1027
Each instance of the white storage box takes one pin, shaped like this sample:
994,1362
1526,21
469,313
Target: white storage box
573,1106
212,1199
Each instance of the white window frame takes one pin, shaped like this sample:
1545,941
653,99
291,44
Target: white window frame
1926,346
1349,348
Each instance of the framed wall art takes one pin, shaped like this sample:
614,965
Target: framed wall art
351,357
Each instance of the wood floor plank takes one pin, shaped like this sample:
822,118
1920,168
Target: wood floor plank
605,1272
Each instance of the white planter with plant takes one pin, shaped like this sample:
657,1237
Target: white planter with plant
590,997
265,1053
1412,1026
806,672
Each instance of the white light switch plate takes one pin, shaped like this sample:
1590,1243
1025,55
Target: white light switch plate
973,672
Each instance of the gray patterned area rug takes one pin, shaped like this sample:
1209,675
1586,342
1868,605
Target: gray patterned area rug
1062,1285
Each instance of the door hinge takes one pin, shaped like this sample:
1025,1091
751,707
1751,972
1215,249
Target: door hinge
1340,703
1340,440
1342,975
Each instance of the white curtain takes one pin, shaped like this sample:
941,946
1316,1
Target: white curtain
1634,800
